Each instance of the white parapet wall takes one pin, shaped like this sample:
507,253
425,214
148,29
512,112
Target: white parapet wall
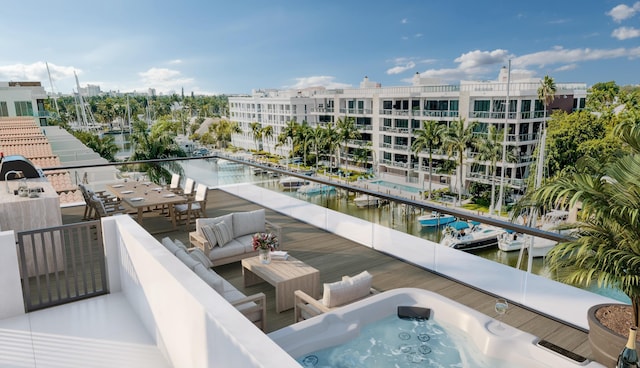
12,301
561,301
193,325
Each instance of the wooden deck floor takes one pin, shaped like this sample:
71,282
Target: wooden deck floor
335,256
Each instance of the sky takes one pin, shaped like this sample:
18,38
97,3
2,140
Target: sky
234,47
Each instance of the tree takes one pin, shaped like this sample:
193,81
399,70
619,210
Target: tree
346,131
429,137
456,141
490,149
606,245
223,130
266,132
154,145
105,146
331,139
288,135
256,132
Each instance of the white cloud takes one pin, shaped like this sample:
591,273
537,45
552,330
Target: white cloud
567,67
477,58
559,55
404,21
401,68
175,62
38,72
317,81
623,11
624,33
418,35
164,80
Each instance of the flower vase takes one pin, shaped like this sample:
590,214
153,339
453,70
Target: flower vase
265,256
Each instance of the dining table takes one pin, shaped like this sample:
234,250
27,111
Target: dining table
144,194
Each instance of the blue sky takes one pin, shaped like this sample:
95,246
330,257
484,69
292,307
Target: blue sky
214,47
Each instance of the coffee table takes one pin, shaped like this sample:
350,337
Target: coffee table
286,276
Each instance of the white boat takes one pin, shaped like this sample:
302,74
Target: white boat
366,200
435,219
315,188
292,182
465,236
508,242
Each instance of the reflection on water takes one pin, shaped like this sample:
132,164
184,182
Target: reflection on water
221,172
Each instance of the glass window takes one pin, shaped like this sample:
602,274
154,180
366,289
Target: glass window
386,139
443,105
3,109
498,105
24,108
525,106
386,122
481,105
402,123
453,105
387,105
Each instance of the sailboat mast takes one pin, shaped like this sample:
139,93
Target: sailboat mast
504,143
82,106
53,93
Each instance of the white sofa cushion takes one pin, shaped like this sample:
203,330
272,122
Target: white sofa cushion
347,290
251,222
211,278
198,255
170,245
232,248
186,259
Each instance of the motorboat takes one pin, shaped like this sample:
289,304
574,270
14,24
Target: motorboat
292,182
366,200
435,219
315,188
469,236
512,241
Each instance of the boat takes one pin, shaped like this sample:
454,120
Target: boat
292,182
435,219
315,188
469,236
366,200
511,241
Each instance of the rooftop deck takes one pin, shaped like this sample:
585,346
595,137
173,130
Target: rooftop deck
335,256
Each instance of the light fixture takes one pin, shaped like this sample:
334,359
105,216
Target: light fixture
16,175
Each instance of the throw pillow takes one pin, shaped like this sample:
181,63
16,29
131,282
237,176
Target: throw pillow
208,233
180,244
223,233
336,294
186,259
199,256
170,245
360,284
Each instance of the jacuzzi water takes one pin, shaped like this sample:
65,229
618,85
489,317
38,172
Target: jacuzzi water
402,343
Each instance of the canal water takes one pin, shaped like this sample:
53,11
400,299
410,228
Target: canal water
221,172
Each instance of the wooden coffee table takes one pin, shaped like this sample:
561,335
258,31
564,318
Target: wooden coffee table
286,276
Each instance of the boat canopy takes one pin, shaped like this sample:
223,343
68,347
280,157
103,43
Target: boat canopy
459,225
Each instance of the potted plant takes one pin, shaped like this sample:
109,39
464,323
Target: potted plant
265,243
605,247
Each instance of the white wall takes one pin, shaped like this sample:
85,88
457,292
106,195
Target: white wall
12,302
192,324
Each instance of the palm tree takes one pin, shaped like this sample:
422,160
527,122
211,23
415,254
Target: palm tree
429,137
288,135
266,132
346,131
490,149
331,139
223,131
256,132
154,145
607,246
456,141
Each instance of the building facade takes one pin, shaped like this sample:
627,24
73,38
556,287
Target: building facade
388,117
23,99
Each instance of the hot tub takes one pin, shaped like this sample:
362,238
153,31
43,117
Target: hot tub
505,345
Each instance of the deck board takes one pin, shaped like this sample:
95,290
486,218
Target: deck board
335,256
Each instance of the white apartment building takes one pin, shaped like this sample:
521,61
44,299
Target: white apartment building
23,99
387,117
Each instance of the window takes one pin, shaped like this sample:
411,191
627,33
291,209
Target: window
481,105
387,122
3,109
387,105
453,105
402,123
386,139
24,108
526,106
498,106
415,124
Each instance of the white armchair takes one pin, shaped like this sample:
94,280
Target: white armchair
334,295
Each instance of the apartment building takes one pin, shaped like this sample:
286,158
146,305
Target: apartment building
387,118
23,99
